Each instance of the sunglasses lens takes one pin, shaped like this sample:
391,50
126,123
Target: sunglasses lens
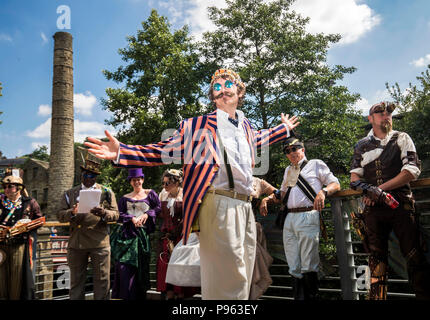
228,84
217,87
89,175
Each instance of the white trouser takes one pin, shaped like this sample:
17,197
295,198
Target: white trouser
301,242
227,247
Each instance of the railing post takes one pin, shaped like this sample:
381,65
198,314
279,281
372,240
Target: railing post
344,251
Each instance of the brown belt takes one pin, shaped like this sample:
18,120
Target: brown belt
231,194
301,209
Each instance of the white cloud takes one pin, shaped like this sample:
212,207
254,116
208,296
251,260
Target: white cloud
364,104
84,103
82,129
421,62
44,110
347,17
42,131
44,38
5,37
350,18
37,145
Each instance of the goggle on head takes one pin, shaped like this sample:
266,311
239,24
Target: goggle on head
383,106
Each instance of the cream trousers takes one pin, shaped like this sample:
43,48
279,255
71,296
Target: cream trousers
301,242
227,247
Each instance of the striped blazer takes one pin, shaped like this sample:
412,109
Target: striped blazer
195,145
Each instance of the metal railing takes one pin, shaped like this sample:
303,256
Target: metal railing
339,279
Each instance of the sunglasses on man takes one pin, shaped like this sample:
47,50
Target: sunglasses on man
9,186
228,84
292,149
380,108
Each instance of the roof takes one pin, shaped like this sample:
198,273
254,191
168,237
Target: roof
12,162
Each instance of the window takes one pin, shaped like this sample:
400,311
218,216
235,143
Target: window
35,170
34,194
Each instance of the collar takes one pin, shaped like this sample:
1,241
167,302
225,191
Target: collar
90,188
387,137
224,115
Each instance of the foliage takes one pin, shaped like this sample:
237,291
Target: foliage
162,85
40,153
285,71
414,111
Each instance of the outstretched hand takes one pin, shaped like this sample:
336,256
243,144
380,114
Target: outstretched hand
104,150
290,122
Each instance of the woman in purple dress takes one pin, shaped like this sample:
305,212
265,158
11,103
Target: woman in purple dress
130,239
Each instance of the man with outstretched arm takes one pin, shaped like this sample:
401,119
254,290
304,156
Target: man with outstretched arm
218,152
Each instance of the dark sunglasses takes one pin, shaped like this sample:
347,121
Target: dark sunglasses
9,186
382,107
292,149
166,183
228,84
89,175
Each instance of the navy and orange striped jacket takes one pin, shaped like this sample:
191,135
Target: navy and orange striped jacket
195,145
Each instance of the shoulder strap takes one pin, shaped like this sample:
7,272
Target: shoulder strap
285,200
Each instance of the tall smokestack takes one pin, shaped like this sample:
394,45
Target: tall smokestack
61,162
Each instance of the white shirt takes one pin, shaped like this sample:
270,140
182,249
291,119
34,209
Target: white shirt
317,174
239,154
405,144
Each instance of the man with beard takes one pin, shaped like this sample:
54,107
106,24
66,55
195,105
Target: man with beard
218,155
385,162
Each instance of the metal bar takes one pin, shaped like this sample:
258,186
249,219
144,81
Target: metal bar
343,249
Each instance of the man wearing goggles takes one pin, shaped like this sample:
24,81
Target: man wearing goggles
387,160
218,189
302,195
89,234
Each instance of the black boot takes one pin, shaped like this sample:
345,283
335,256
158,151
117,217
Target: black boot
298,289
311,285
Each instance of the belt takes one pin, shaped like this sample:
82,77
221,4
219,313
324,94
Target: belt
231,194
301,209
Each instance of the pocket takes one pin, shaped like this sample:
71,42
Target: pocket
311,218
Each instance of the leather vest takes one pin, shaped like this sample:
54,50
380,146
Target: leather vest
386,166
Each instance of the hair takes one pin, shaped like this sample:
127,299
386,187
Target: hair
173,178
241,90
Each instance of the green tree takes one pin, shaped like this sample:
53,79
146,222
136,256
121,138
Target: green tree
414,111
40,153
285,70
162,82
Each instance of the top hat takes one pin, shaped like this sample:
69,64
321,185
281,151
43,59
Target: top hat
91,166
135,173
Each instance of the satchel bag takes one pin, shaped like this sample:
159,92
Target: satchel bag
184,264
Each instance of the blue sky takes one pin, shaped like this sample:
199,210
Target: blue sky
386,40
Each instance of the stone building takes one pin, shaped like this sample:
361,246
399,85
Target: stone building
36,176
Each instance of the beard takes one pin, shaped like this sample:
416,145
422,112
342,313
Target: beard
386,126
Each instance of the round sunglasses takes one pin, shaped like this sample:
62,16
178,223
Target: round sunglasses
228,84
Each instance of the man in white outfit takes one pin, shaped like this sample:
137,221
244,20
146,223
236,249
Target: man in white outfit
304,197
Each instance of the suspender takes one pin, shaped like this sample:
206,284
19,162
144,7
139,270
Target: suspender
227,165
